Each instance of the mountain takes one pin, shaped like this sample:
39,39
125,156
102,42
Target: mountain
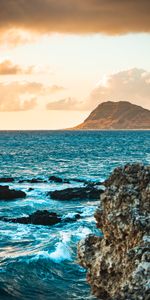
117,115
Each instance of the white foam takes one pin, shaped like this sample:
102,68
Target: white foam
69,215
90,219
88,211
62,251
83,232
65,236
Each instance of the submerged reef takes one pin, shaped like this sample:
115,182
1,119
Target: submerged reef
118,263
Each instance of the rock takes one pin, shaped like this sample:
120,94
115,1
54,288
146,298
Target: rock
8,194
33,180
43,217
76,193
58,179
6,179
37,218
55,179
118,264
30,189
73,219
79,180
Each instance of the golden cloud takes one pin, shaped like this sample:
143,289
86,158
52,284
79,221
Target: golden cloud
11,98
14,37
130,85
22,96
56,89
76,16
8,68
65,104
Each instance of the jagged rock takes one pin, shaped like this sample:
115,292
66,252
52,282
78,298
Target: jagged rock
30,189
43,217
8,194
58,179
118,264
76,193
33,180
55,179
6,179
37,218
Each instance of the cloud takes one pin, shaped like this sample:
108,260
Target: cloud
8,68
22,96
39,88
56,89
15,37
11,98
130,85
75,16
65,104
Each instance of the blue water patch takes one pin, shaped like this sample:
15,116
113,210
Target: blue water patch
40,262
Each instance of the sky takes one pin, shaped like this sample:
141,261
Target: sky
60,59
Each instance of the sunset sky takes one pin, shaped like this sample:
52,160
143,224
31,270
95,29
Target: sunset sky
60,59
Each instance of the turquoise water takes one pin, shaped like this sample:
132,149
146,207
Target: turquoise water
38,262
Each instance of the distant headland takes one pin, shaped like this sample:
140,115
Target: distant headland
117,115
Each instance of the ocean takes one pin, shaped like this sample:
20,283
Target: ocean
40,262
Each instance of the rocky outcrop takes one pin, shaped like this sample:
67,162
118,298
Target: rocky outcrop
37,218
43,217
57,179
9,194
118,263
76,193
33,180
6,179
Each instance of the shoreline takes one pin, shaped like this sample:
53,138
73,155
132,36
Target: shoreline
70,130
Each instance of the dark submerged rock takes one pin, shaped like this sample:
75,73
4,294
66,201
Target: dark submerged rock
55,179
58,179
76,193
30,189
9,194
44,218
6,179
33,180
118,264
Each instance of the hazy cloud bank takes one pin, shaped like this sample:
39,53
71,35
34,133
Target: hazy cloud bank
16,96
75,16
131,85
8,68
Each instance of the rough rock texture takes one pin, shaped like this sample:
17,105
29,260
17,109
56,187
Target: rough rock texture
8,194
118,264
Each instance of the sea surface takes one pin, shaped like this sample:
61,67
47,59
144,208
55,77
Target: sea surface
40,262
